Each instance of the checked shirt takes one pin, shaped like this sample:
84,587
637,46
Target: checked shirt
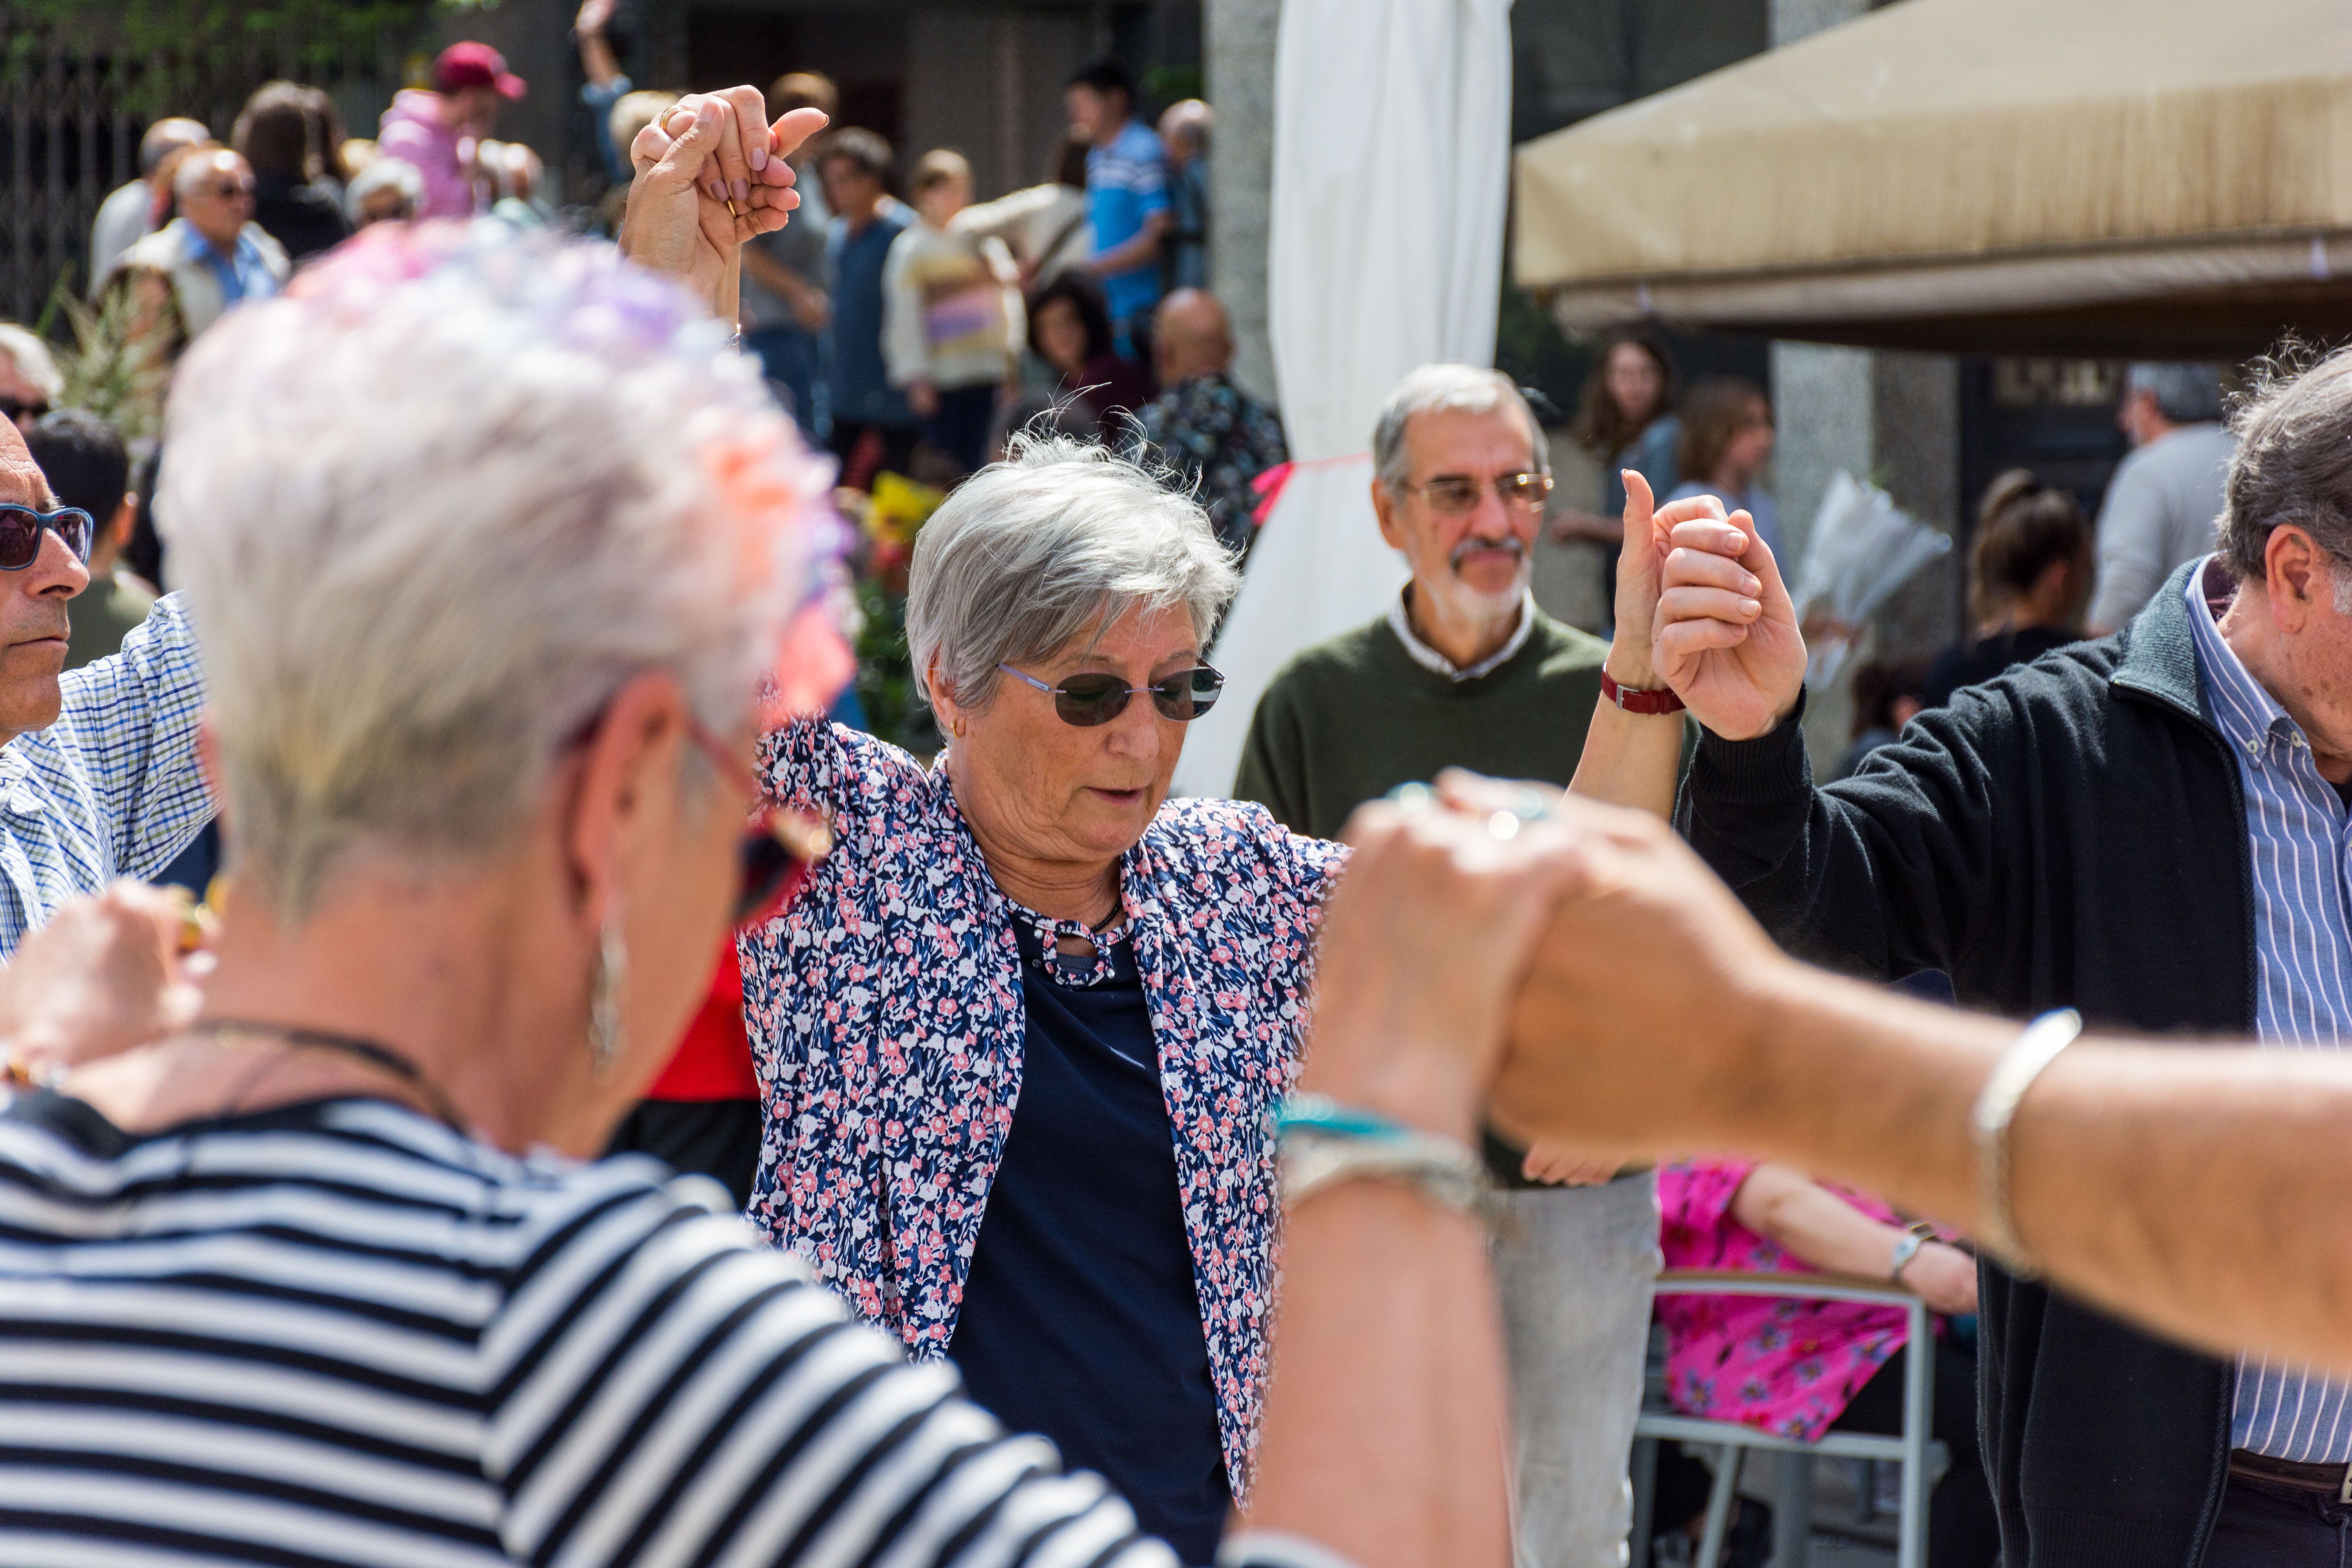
113,789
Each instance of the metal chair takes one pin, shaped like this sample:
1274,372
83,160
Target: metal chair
1914,1450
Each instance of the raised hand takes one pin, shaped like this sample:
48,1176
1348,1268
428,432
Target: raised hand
711,173
1641,565
1726,636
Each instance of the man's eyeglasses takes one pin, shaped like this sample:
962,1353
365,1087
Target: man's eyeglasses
16,410
1094,699
21,528
779,847
1454,494
228,190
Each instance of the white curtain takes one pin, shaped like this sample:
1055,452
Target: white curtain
1392,158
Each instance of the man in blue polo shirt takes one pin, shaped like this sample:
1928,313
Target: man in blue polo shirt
1126,197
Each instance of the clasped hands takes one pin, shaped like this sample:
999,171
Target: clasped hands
1562,975
711,173
1701,608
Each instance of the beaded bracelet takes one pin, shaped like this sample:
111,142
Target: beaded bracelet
1325,1142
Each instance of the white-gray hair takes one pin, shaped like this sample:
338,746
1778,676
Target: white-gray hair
1054,543
2293,463
198,165
385,173
31,356
1434,388
433,510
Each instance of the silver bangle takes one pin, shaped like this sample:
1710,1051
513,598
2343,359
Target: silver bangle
1440,1168
1996,1108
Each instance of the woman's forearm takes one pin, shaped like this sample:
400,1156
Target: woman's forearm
1384,1431
1631,759
1813,1223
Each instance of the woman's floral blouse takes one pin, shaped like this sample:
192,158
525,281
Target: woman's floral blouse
1780,1365
884,1016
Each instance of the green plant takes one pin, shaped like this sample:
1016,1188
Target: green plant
894,710
120,381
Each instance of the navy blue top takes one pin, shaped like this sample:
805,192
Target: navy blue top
861,388
1080,1321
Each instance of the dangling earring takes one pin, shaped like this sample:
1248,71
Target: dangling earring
606,987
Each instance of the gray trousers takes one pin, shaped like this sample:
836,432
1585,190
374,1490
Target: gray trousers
1575,1268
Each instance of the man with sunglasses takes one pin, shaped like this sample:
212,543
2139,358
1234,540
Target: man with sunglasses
209,260
98,775
1465,671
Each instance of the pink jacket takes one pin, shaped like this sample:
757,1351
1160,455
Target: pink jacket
413,132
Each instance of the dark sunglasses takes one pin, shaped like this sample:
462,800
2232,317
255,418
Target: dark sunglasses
16,409
1086,700
779,847
21,528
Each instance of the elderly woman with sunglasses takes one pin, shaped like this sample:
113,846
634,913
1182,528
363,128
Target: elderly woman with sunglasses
1022,1040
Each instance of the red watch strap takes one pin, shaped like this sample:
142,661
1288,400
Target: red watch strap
1653,700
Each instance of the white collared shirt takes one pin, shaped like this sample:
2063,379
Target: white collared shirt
1428,657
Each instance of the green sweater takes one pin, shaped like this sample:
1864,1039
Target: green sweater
1349,720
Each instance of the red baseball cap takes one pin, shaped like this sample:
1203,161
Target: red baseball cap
476,65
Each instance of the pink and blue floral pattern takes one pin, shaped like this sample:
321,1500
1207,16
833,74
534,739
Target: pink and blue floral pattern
884,1016
1780,1365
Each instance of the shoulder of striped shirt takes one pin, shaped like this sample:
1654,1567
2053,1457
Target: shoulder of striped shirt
606,1271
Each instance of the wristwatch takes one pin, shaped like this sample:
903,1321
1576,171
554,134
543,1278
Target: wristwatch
1641,700
1905,1251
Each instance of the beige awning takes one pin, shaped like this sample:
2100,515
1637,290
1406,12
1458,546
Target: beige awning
2129,177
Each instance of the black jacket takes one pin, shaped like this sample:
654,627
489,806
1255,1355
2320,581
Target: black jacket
305,219
2072,833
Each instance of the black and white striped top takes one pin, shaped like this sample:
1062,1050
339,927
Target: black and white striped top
341,1334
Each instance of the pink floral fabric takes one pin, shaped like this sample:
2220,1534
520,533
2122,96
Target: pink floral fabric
884,1016
1784,1366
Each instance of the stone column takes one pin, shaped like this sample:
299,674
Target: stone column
1916,452
1239,38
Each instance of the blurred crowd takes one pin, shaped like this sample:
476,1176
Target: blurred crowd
907,327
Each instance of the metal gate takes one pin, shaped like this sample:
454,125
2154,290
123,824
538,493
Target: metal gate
72,115
65,142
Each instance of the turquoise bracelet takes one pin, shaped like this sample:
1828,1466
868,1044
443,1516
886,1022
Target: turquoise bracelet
1325,1142
1321,1113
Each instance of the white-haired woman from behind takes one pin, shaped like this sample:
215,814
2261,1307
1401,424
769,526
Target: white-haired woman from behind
1022,1042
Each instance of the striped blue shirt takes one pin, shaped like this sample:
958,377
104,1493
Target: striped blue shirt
2300,833
113,789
